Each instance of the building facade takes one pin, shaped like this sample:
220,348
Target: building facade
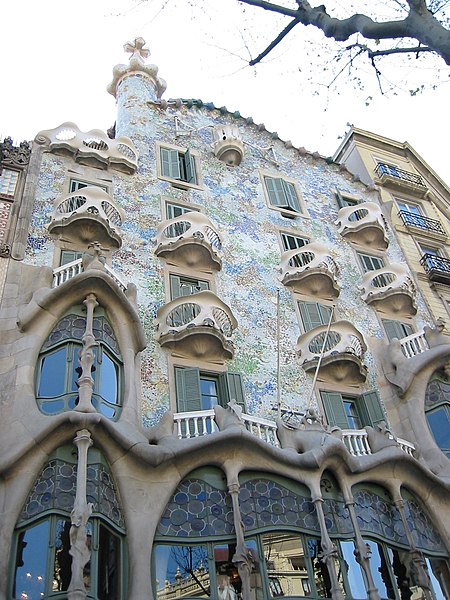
220,377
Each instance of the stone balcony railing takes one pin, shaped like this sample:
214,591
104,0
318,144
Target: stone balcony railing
197,326
69,270
189,240
310,270
363,224
414,344
391,289
228,145
195,424
88,215
93,148
338,353
400,179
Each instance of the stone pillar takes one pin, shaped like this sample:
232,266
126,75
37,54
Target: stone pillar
242,557
329,552
86,359
82,510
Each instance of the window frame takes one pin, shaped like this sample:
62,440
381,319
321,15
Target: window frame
11,196
396,326
344,200
286,211
197,184
376,257
76,184
283,235
368,407
321,307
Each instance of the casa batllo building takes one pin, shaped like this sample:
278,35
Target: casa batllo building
208,389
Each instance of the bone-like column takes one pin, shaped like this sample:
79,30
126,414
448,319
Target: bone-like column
86,359
242,557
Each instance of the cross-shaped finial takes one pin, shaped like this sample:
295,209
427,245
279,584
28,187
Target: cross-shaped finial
137,50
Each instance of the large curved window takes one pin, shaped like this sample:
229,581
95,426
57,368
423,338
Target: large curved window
58,367
437,410
42,562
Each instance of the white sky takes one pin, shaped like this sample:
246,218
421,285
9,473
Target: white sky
57,58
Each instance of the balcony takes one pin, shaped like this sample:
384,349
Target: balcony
189,240
338,354
69,270
86,216
414,344
437,268
390,289
200,423
363,224
422,223
93,148
197,326
310,270
400,179
227,144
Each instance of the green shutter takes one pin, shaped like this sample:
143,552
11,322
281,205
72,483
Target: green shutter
187,382
313,315
190,167
371,405
175,287
275,190
395,329
235,389
290,195
170,163
334,409
339,199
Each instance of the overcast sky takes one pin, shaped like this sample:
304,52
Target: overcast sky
57,59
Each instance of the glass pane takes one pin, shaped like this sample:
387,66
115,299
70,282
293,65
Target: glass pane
354,573
286,565
75,371
440,577
182,571
439,422
380,571
53,374
31,562
354,421
321,575
210,397
108,379
229,584
399,561
63,560
108,565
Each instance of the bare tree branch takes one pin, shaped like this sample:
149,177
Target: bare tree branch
419,24
274,43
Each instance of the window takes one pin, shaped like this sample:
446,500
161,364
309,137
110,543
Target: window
344,200
176,210
76,185
370,263
352,412
8,183
396,329
313,314
179,165
58,368
282,194
68,256
186,286
199,390
437,410
292,242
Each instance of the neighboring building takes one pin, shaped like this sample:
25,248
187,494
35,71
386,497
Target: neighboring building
218,375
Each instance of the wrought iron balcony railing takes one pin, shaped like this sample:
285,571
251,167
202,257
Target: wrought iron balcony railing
391,171
412,220
436,267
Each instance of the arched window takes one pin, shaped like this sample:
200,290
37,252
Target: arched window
58,368
42,563
437,410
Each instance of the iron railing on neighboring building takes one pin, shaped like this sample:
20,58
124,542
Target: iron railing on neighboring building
412,220
384,169
436,267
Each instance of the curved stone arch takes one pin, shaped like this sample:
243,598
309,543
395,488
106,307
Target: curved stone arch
48,306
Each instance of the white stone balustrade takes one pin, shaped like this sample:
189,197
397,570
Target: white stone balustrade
200,323
414,344
189,240
228,145
88,215
93,148
69,270
199,423
363,224
390,287
310,269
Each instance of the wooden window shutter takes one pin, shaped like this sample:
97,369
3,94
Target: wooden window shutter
275,190
190,167
395,329
313,315
170,163
235,389
334,409
175,287
187,382
290,194
371,404
339,199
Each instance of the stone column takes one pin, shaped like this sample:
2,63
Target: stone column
417,567
362,550
82,510
329,552
86,359
242,557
